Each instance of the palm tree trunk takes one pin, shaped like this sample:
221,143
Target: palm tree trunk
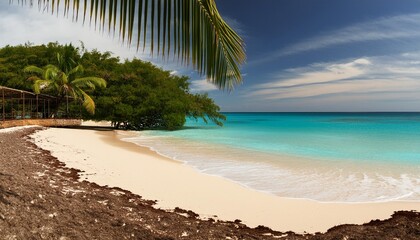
57,107
67,106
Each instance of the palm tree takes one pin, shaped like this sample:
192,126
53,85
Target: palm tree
190,30
65,84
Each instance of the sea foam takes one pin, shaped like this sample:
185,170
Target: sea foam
370,160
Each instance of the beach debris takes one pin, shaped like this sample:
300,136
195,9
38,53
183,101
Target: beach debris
117,193
128,209
72,191
11,237
14,129
118,223
267,234
39,174
186,213
104,202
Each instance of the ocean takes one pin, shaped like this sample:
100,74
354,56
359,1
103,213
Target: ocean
327,157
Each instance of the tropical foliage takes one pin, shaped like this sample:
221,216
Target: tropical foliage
138,94
190,30
65,82
14,59
151,98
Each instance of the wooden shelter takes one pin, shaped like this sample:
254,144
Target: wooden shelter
20,108
19,104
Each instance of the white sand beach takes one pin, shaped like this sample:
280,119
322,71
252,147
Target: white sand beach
107,160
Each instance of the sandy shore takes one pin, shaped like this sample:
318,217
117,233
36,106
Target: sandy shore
41,198
107,160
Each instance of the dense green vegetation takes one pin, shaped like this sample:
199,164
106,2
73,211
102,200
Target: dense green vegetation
65,81
139,95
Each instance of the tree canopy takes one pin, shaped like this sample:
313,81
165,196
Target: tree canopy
139,95
65,81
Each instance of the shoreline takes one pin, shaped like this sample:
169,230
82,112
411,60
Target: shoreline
124,135
206,195
168,158
279,174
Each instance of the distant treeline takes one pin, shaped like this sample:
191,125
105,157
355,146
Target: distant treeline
138,95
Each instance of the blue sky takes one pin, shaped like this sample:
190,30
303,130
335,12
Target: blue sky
302,55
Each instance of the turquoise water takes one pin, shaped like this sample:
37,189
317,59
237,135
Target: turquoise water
363,151
391,137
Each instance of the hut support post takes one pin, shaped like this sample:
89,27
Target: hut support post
23,106
37,107
3,105
30,108
67,106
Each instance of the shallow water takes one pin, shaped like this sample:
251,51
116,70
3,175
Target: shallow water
345,157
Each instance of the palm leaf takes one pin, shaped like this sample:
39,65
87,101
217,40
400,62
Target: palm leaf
78,69
89,82
33,78
33,69
50,72
88,102
40,84
201,36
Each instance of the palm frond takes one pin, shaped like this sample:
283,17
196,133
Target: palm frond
191,30
50,72
33,78
89,82
88,102
52,67
63,78
40,84
78,69
33,69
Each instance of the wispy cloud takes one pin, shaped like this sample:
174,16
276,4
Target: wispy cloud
363,76
41,28
235,25
321,73
396,27
202,86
